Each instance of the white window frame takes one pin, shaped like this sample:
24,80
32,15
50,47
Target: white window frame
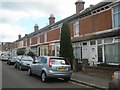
113,15
76,29
45,37
38,38
30,41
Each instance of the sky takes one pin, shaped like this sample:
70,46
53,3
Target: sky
20,16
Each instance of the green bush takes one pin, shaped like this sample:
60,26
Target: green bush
20,52
30,54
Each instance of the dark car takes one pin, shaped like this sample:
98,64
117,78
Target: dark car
23,62
12,60
51,67
114,84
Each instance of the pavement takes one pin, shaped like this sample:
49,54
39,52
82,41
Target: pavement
93,81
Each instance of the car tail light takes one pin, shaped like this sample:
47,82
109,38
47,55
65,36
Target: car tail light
50,62
116,75
113,76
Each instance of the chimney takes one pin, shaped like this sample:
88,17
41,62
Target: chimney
91,6
51,19
36,27
26,35
79,6
19,37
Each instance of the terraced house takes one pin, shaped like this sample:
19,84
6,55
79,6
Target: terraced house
95,34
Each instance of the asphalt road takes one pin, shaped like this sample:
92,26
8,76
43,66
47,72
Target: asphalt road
15,78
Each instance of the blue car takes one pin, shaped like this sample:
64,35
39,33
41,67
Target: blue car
23,62
12,60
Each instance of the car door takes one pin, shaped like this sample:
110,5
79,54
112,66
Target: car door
41,65
18,61
36,66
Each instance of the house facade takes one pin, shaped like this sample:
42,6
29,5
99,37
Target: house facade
95,34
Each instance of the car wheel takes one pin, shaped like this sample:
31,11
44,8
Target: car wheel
29,72
15,65
66,79
43,77
20,67
9,63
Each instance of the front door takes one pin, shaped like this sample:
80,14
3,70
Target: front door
93,53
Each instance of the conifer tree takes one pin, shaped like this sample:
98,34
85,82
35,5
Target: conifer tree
66,49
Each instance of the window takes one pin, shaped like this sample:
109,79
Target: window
44,60
76,29
100,54
45,37
112,54
30,41
38,39
108,40
117,39
59,61
92,42
116,16
99,41
85,43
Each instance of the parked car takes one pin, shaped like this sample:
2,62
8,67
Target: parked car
12,60
51,67
114,84
5,56
23,62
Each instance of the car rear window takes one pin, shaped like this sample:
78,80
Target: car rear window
27,58
59,61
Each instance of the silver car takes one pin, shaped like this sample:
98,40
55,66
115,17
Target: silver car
51,67
23,62
114,84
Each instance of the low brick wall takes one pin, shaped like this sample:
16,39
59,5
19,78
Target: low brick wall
101,71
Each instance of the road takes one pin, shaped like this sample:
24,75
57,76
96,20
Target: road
15,78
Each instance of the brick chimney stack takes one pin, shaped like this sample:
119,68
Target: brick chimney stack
51,19
79,6
19,37
36,27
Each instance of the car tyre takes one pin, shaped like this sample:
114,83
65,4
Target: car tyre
20,67
15,65
44,77
66,79
9,63
29,72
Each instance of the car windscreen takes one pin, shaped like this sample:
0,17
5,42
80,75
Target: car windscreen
27,58
59,61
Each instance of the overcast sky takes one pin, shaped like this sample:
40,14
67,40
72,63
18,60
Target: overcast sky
20,16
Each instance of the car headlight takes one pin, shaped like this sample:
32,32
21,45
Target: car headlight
24,63
50,71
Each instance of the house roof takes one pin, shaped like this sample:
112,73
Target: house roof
69,19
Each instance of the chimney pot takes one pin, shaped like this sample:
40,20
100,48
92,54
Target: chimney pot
19,36
79,6
51,19
36,27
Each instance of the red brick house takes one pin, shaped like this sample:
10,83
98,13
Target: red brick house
94,33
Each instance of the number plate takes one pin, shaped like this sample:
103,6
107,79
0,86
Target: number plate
62,69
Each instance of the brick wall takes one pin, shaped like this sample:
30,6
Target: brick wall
42,38
53,35
34,40
101,71
95,23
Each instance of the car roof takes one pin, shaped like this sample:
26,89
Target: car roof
52,57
